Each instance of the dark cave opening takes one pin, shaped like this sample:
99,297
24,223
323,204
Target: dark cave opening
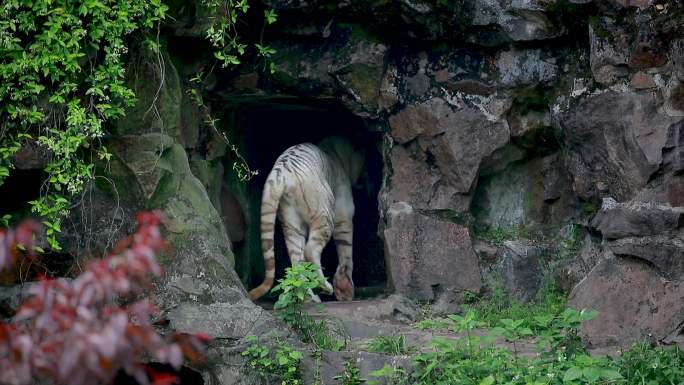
20,188
265,129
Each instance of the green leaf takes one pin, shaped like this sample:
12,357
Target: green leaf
572,374
610,374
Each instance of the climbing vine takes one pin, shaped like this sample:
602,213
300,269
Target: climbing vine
62,81
223,33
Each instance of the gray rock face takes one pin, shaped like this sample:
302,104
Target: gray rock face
354,66
441,146
428,256
610,49
521,269
636,285
523,68
633,300
616,143
522,20
535,193
634,219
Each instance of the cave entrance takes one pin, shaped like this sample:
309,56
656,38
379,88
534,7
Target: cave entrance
263,129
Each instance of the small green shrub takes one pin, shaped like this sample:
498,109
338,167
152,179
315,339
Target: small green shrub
496,235
394,345
644,364
350,376
281,363
294,290
392,376
560,334
500,306
291,306
432,324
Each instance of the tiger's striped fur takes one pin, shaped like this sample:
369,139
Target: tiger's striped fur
309,190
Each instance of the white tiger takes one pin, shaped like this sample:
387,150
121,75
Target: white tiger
309,188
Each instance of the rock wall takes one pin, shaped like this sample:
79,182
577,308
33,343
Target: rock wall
507,125
520,140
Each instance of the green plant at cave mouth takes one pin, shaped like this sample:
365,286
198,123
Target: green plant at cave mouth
300,279
61,80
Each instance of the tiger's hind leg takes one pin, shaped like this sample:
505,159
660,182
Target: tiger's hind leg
343,235
319,235
342,281
294,230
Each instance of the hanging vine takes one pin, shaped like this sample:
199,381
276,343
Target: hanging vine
62,82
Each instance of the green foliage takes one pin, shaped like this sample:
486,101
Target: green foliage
223,32
394,345
281,363
646,365
496,235
350,375
499,306
561,333
391,375
61,79
585,369
562,358
513,330
294,290
474,360
432,324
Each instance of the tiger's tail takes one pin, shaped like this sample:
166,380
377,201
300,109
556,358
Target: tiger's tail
273,191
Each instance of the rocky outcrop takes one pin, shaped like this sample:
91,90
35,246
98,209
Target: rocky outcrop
515,117
617,141
443,146
521,269
428,258
634,303
157,164
511,138
637,284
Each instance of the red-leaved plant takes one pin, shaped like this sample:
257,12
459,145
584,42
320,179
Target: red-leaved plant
74,332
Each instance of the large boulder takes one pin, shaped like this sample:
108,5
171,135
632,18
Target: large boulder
634,303
441,146
637,284
428,257
634,219
521,269
615,142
